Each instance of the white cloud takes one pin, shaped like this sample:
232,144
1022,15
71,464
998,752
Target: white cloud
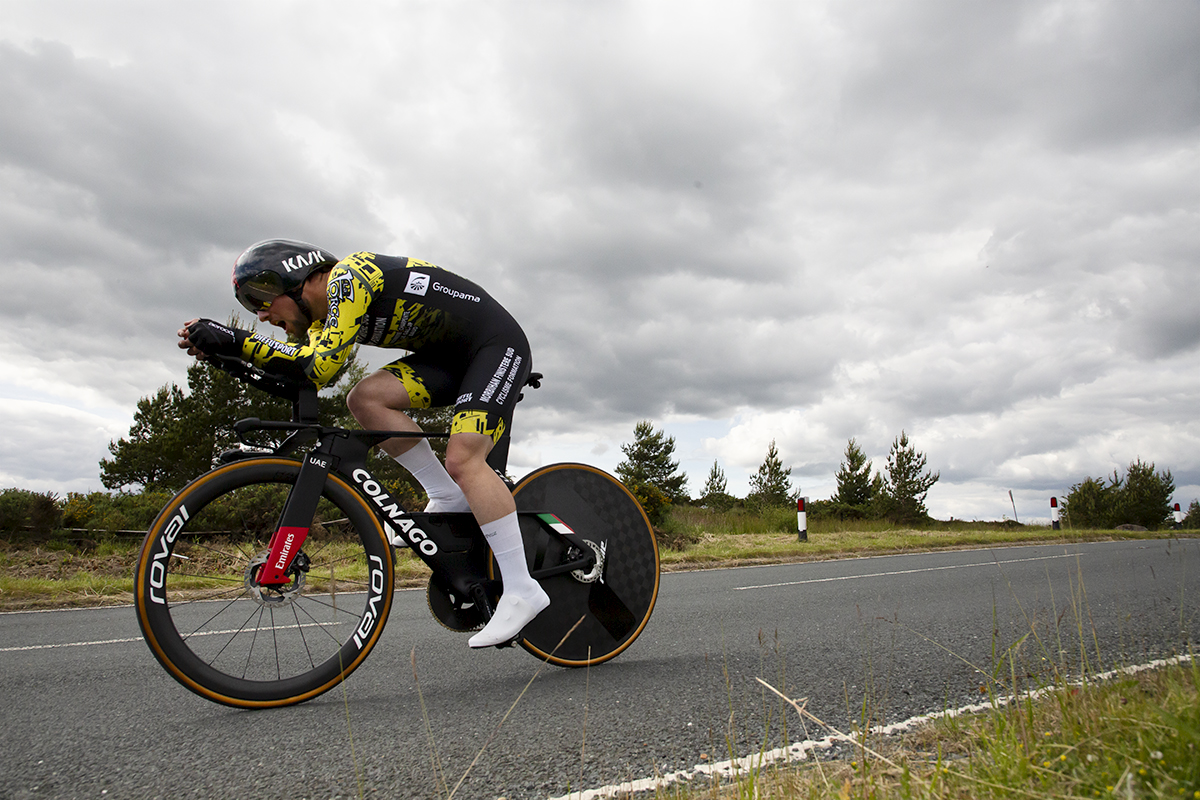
804,223
48,447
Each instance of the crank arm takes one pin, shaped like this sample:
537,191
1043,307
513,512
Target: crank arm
583,564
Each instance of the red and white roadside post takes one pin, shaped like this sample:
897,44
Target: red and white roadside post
1054,514
1178,518
802,518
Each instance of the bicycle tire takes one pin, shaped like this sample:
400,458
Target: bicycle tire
614,609
215,634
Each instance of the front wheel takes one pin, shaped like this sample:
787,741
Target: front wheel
217,632
614,600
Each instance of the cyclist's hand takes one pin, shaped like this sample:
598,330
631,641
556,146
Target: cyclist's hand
182,333
205,337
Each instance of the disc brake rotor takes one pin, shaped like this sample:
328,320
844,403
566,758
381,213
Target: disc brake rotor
597,571
276,595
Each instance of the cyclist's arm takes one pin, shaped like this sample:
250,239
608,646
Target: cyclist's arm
279,358
352,286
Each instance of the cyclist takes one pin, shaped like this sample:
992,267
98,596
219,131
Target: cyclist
466,350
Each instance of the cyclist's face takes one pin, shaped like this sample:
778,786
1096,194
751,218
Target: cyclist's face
284,313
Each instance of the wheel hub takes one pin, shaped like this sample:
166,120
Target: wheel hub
596,573
276,595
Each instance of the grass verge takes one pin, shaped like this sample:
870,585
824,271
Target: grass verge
66,569
702,538
1115,735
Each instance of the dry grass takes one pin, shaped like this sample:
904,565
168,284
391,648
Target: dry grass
1123,735
711,546
68,570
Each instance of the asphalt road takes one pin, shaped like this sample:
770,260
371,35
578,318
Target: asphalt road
89,713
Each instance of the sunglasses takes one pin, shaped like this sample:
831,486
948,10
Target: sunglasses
257,292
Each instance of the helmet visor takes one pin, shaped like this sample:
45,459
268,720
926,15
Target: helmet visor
256,292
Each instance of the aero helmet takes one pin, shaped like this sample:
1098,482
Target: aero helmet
274,267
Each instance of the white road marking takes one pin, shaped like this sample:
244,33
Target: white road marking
902,572
67,644
139,638
800,751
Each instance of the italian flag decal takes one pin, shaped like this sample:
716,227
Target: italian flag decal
555,523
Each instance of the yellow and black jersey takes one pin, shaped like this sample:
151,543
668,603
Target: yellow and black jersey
386,301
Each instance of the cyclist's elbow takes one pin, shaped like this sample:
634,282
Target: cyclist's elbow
320,374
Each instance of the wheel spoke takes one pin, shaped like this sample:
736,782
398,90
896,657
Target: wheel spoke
217,613
323,627
303,638
233,636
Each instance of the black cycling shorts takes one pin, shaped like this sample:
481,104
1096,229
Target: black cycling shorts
481,383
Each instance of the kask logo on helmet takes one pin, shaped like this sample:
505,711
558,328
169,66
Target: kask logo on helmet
301,261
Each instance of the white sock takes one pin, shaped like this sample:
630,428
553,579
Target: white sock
504,537
443,492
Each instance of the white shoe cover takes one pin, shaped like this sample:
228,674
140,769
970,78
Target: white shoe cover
512,614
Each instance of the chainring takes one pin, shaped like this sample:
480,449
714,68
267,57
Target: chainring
457,614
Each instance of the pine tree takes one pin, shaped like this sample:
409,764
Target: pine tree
1142,497
176,436
1089,504
1145,499
907,482
162,451
853,478
1192,520
716,483
648,463
715,494
771,486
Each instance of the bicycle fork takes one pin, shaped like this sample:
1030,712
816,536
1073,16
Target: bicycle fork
295,522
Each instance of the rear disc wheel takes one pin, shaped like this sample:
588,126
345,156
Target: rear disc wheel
611,608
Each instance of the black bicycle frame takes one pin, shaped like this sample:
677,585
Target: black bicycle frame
451,544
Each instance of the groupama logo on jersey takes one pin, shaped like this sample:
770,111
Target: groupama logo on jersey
301,261
418,283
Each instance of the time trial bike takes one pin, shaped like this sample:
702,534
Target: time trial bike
266,581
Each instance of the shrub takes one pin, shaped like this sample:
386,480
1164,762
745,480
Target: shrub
1192,520
717,501
832,509
676,534
121,511
78,509
653,502
21,509
1142,497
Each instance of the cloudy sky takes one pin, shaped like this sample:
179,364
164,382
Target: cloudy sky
976,222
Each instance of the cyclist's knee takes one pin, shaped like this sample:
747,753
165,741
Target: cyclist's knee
466,454
358,400
376,391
